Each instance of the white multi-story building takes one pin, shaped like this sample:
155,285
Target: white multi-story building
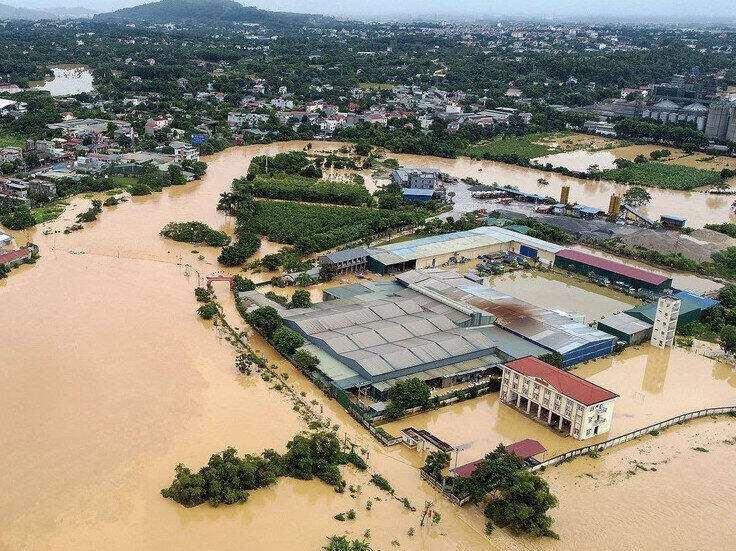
564,401
665,321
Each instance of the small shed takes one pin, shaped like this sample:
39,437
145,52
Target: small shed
627,328
672,222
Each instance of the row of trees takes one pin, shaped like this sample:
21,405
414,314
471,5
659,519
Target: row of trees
227,478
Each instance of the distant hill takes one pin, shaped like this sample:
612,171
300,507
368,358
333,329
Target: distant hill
10,12
215,11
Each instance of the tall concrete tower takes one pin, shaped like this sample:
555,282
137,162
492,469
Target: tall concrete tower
665,321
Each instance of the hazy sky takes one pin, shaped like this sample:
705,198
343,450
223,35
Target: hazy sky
650,9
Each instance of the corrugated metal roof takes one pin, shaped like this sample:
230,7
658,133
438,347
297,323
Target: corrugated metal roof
614,267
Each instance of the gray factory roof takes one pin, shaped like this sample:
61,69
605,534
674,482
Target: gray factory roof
626,324
390,336
456,242
346,255
544,327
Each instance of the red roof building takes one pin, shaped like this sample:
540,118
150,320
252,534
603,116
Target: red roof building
523,449
13,258
564,382
584,263
573,405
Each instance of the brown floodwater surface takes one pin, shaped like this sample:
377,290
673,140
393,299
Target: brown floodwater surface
697,207
109,380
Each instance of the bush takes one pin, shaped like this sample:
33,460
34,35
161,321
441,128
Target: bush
382,483
195,232
207,311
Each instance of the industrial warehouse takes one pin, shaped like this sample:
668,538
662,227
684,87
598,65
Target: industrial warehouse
434,251
433,324
458,334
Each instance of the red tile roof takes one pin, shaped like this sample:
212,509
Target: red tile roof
523,449
564,382
13,255
612,266
526,448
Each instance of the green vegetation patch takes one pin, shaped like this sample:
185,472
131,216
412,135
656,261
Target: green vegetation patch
663,176
300,188
522,147
227,478
195,232
312,228
48,212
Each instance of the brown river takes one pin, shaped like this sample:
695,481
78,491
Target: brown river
109,380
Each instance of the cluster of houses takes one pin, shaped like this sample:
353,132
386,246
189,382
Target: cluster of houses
427,106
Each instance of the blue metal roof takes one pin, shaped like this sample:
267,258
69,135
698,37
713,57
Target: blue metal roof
703,302
418,192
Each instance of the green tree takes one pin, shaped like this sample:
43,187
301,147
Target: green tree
436,462
207,311
241,284
327,272
271,261
301,299
637,196
266,320
305,360
20,219
552,358
286,341
522,503
728,338
727,296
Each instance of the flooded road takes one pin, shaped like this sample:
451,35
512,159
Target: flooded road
110,380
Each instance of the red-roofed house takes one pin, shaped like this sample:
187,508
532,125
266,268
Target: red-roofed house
570,403
524,449
15,258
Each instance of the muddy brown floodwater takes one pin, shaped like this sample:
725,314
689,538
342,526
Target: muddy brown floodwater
697,207
109,380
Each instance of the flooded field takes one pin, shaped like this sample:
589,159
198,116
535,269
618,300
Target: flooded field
581,159
558,291
67,81
627,498
110,380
